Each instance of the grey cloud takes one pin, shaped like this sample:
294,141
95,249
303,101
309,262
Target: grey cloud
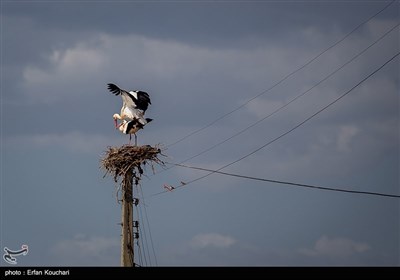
335,247
86,251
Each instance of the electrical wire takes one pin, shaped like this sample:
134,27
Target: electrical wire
289,183
139,253
287,103
142,236
280,81
144,257
142,244
289,131
148,225
140,248
145,236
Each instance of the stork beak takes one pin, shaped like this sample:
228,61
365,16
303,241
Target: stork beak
116,123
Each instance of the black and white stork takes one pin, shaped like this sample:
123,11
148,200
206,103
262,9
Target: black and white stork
133,126
134,104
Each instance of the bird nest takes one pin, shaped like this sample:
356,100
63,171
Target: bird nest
117,161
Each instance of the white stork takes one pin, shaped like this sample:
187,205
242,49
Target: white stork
134,104
133,126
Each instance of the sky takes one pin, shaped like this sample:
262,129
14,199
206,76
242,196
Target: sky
199,60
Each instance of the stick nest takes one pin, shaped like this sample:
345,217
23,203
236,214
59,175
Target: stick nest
117,161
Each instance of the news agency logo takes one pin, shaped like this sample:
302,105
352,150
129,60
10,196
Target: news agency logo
10,255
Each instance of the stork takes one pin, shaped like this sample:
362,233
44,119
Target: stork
134,104
133,126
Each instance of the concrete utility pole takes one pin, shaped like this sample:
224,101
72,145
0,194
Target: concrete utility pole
125,164
127,252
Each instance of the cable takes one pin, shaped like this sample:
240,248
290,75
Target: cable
139,253
144,245
292,129
286,104
289,183
148,225
143,235
280,81
143,259
141,240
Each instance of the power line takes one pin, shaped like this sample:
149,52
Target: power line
280,81
289,102
148,225
289,183
292,129
142,241
139,253
143,234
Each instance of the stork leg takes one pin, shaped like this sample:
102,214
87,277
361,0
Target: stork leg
130,138
135,139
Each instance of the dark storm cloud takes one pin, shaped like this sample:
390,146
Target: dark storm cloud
210,23
28,36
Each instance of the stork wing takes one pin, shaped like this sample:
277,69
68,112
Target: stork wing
144,96
143,100
127,98
114,89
